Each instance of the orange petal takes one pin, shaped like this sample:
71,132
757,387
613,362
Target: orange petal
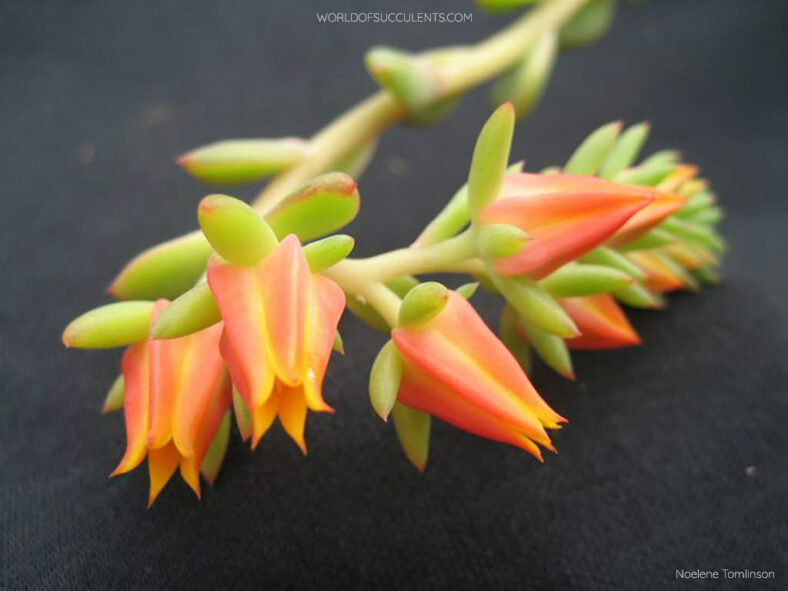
678,177
243,347
190,472
456,349
324,308
283,278
659,277
166,358
263,416
161,466
136,374
292,413
562,225
601,321
663,206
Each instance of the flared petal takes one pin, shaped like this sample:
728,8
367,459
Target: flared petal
663,206
161,466
263,417
563,217
325,305
458,351
602,323
166,358
659,277
284,280
136,374
292,413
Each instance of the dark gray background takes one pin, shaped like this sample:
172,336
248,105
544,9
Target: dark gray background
96,99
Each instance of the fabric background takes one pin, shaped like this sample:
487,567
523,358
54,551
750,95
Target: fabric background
675,455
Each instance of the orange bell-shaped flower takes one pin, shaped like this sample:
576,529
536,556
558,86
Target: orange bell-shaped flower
564,216
456,369
601,322
176,394
279,326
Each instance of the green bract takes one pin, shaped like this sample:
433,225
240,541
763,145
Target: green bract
384,380
490,156
413,431
423,303
590,155
190,312
113,325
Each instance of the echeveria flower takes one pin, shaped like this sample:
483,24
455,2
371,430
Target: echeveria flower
601,322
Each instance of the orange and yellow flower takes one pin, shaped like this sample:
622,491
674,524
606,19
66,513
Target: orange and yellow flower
456,369
601,322
176,394
563,215
660,278
663,206
279,326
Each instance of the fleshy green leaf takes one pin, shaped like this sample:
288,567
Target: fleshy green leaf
576,280
654,238
637,296
551,348
626,150
588,24
214,457
193,311
413,432
604,255
535,304
384,380
646,174
327,252
490,157
113,325
590,155
423,303
467,290
114,398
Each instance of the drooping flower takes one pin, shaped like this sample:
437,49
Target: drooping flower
601,322
456,369
564,216
279,326
660,277
176,394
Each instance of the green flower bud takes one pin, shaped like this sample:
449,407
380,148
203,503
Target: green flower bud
114,399
654,238
190,312
241,161
322,206
214,457
532,302
637,296
423,303
113,325
525,84
551,348
626,150
413,432
384,380
588,24
604,255
468,289
594,150
163,271
498,241
327,252
413,81
490,157
575,280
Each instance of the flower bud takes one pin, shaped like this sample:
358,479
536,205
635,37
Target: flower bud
384,380
498,241
422,303
114,399
594,150
574,280
625,151
113,325
163,271
604,255
322,206
214,457
588,24
235,230
535,304
413,81
413,431
241,161
327,252
490,157
526,83
190,312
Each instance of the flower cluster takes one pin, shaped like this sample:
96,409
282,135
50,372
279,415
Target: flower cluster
241,317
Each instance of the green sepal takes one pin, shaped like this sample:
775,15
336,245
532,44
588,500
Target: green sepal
646,174
190,312
466,290
384,380
626,150
243,416
697,233
112,325
654,238
327,252
637,296
355,163
236,231
604,255
114,399
322,206
339,344
588,24
576,280
497,241
239,161
413,81
662,157
413,431
594,150
490,157
423,303
695,204
525,84
163,271
217,450
532,302
551,348
513,339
